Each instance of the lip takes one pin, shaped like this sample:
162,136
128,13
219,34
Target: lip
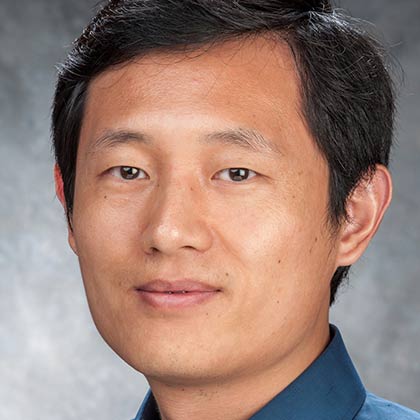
177,294
188,285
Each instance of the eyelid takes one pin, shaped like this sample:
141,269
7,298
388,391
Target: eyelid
117,168
239,182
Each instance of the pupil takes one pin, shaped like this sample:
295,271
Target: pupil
129,172
238,173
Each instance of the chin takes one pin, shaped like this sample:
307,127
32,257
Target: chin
181,375
173,368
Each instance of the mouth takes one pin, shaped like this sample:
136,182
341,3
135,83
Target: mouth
176,286
176,300
170,291
177,294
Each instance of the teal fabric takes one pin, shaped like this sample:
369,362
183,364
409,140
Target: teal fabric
329,389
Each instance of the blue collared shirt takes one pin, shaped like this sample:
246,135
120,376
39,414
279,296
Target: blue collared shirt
329,389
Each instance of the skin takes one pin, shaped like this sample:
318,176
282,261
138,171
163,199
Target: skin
263,241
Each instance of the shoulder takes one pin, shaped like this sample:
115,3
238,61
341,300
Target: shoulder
377,408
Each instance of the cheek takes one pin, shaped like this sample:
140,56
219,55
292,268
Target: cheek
104,228
284,248
265,246
267,233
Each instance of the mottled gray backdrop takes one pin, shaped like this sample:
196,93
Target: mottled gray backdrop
53,364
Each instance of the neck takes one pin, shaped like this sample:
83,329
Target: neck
240,397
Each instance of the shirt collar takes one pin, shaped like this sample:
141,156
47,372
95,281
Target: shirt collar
329,389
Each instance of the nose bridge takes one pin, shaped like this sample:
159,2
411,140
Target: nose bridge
179,187
176,197
177,216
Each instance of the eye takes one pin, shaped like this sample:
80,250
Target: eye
236,174
126,172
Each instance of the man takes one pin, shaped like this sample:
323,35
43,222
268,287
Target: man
222,165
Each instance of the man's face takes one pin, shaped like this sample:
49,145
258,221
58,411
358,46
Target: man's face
258,236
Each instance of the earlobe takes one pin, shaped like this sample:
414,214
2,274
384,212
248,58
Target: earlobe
59,190
72,241
366,207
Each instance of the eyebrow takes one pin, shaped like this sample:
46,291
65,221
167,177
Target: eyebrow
246,138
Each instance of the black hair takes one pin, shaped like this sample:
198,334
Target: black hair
347,93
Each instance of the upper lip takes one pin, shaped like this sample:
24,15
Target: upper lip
188,285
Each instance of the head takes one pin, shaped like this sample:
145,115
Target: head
181,91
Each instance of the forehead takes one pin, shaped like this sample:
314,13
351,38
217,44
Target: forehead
248,82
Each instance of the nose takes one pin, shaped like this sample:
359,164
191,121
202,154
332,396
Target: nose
176,220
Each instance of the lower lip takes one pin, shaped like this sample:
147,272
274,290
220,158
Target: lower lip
160,300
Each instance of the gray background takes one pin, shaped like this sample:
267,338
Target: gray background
53,364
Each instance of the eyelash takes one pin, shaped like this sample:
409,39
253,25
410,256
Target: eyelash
118,169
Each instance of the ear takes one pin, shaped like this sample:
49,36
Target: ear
59,190
366,207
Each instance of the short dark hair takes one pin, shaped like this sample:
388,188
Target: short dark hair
347,94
